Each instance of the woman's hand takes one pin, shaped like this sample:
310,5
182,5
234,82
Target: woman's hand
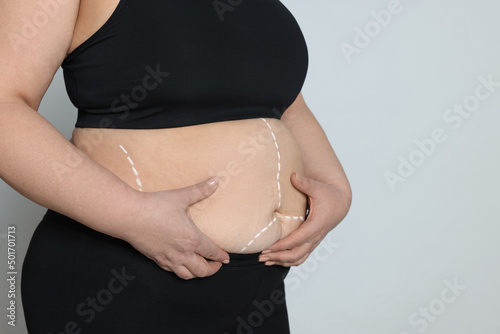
328,206
164,231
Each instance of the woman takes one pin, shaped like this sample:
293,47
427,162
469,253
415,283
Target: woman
196,174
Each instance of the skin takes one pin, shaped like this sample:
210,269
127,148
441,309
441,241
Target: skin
98,198
324,182
174,157
45,167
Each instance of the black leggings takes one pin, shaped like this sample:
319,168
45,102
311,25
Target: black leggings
77,280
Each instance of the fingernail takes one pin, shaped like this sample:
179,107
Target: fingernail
225,261
299,177
266,251
269,263
263,259
212,181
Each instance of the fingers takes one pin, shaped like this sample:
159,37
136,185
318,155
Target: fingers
191,266
287,258
200,267
205,261
199,191
304,184
295,262
200,257
209,250
184,273
298,237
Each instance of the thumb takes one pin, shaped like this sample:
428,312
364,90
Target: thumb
199,191
209,250
302,183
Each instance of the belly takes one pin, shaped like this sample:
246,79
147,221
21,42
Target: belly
255,203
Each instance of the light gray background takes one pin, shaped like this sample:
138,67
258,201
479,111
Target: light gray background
390,259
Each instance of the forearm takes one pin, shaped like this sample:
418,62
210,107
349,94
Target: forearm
41,164
319,158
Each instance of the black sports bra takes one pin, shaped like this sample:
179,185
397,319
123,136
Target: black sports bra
172,63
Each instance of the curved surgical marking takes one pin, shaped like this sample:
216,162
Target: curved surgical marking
279,192
134,170
290,217
279,164
277,182
258,234
139,183
124,150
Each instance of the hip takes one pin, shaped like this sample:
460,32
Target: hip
77,277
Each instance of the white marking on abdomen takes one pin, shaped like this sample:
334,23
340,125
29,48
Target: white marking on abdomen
279,162
277,183
134,170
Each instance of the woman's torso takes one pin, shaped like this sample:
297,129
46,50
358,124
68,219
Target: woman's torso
255,204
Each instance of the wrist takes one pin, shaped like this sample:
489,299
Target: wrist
128,216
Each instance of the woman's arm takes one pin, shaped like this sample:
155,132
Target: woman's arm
35,158
41,164
324,182
320,161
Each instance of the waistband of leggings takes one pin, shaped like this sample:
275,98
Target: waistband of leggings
235,259
243,260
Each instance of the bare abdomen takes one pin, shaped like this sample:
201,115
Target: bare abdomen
255,203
